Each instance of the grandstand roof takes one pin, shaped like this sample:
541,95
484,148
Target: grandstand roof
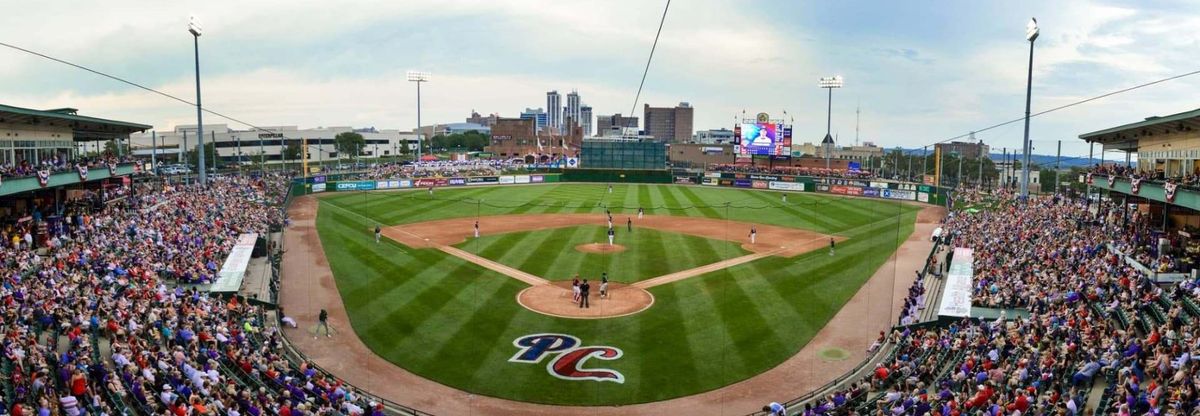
85,128
1128,134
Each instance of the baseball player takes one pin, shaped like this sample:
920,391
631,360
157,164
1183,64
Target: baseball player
476,228
575,288
640,212
610,188
603,285
611,234
378,230
831,246
629,223
753,234
785,198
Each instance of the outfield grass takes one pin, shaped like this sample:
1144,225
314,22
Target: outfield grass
454,322
648,253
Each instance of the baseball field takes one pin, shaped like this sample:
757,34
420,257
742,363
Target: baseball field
440,303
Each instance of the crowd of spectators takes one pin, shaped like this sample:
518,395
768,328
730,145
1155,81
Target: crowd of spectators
793,170
98,320
443,169
1101,337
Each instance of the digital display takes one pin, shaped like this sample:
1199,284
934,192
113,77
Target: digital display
763,139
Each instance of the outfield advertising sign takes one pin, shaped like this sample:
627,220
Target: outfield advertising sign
483,180
355,186
406,183
786,186
508,179
758,184
871,192
899,194
318,187
710,181
457,181
521,178
923,197
537,178
741,183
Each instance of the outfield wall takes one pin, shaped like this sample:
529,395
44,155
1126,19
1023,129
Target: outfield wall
901,191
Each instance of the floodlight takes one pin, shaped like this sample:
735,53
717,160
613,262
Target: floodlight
418,76
194,25
831,82
1031,30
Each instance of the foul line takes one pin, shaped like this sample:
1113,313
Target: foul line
494,266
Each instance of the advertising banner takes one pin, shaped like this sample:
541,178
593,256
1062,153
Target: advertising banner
726,182
318,187
838,189
458,181
537,178
758,184
854,190
687,180
871,192
712,174
786,186
483,180
424,183
507,179
923,197
318,179
522,178
822,188
381,184
406,183
925,188
879,184
710,181
741,183
393,184
769,178
899,194
355,186
441,182
956,297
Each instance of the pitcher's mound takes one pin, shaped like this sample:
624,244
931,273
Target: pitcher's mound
600,248
557,300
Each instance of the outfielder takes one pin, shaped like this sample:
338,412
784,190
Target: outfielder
377,231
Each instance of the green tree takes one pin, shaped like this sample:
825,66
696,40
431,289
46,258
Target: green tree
349,143
112,148
404,149
292,151
210,160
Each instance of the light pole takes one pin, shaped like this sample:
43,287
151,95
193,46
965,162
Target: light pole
194,29
1031,34
418,77
829,83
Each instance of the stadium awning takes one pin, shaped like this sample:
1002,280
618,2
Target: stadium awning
84,128
1125,137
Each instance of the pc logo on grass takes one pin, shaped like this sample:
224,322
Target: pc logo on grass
569,357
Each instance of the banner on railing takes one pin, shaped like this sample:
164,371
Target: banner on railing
956,295
229,278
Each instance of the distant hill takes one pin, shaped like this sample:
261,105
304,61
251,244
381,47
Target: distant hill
1039,160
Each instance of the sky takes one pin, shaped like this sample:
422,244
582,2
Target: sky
918,72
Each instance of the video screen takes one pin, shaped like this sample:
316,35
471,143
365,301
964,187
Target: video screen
759,139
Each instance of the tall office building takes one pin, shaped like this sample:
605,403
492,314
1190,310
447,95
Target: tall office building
605,125
585,118
538,116
671,125
571,111
554,109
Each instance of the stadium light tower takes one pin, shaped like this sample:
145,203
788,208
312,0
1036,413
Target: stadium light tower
829,83
418,77
1031,34
194,29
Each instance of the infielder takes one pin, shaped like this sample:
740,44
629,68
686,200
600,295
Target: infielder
753,234
831,246
640,212
378,230
611,233
476,228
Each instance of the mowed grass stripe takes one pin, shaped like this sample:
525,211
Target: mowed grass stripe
558,238
484,324
654,263
700,204
750,335
644,200
669,201
426,303
804,217
656,335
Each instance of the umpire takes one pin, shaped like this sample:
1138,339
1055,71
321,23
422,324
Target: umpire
584,288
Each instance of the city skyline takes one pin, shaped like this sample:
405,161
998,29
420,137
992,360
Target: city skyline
920,73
